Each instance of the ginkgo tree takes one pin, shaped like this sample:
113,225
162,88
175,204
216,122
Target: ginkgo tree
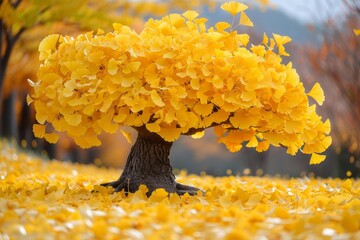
176,77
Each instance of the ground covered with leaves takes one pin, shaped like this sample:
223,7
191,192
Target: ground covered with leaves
55,200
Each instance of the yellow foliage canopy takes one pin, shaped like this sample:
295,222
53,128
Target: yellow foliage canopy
175,76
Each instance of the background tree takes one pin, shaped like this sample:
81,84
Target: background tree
337,63
175,78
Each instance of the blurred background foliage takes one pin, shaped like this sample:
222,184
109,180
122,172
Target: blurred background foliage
324,50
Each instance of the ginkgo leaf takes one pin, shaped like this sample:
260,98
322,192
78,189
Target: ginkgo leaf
203,109
169,55
262,146
234,147
87,141
128,81
233,7
219,131
282,51
29,100
117,27
281,40
107,125
190,15
95,56
253,143
42,113
71,84
232,141
198,135
47,45
158,195
155,97
131,67
153,127
126,134
218,82
39,130
326,142
317,158
327,126
49,42
317,94
100,31
112,67
221,26
195,83
293,126
170,134
89,109
265,39
140,194
73,119
245,20
356,32
244,39
51,137
272,44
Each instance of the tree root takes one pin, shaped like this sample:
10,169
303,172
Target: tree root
179,188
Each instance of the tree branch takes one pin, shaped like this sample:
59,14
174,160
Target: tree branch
192,131
16,3
16,37
1,38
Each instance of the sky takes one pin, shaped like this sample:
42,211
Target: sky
310,11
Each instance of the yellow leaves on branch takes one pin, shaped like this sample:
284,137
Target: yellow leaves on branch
174,76
233,7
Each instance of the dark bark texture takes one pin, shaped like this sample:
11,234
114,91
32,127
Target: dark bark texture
10,124
148,163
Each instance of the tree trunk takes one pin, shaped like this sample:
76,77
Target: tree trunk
9,124
148,163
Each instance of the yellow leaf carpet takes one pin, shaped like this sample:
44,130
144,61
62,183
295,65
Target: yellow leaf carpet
55,200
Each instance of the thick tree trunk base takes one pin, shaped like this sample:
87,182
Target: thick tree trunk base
178,188
148,164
